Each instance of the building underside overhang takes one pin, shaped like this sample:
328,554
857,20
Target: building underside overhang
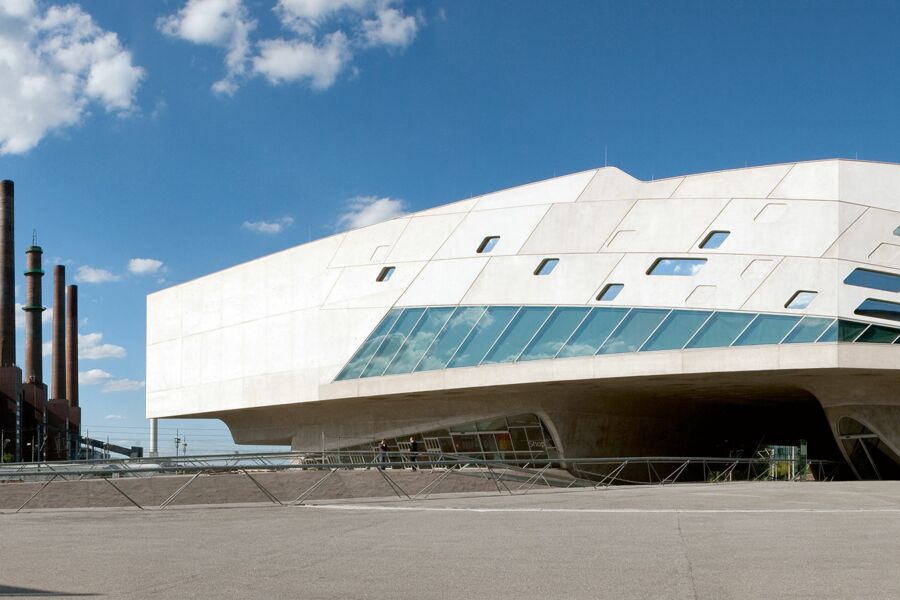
702,414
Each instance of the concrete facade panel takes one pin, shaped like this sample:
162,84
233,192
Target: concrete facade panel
802,228
577,228
673,225
358,287
560,189
423,237
512,225
358,246
611,183
511,280
810,181
443,282
755,182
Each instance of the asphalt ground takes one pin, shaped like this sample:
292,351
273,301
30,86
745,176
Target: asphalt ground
737,540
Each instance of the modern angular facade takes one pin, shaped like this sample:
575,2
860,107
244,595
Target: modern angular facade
589,315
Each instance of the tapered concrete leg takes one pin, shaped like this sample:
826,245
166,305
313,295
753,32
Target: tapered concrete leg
863,410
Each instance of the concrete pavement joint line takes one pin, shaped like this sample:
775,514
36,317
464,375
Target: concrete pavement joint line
610,510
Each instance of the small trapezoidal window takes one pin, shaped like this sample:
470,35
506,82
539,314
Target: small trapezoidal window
385,273
714,239
609,292
801,299
487,244
546,266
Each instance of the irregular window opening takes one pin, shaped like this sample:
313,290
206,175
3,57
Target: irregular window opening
801,299
385,273
876,280
879,309
714,239
546,266
684,267
488,244
609,292
897,231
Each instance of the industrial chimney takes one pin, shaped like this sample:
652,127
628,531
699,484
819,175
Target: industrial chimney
58,360
7,275
72,345
34,335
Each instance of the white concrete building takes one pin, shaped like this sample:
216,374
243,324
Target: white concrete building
703,314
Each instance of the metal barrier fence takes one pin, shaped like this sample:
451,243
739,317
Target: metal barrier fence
518,476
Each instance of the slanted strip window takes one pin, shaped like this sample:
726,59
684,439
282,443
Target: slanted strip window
876,280
487,244
880,309
385,273
684,267
546,266
714,239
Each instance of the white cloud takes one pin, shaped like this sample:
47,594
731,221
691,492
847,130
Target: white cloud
109,384
320,37
268,227
299,60
221,23
390,27
115,417
145,266
89,274
93,377
54,63
303,16
122,385
91,347
368,210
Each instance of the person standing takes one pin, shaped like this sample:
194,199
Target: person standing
413,449
382,454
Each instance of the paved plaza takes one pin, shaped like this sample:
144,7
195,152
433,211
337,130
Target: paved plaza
740,540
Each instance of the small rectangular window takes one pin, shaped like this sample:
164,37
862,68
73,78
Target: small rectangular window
676,266
880,309
546,267
801,299
876,280
897,231
714,239
487,244
609,292
385,274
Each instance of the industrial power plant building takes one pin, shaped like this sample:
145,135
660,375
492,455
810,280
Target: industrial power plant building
33,425
590,315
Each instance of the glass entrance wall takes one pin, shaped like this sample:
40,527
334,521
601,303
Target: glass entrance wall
423,339
518,438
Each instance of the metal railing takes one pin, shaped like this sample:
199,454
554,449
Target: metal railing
518,476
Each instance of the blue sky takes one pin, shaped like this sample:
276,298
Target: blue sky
202,134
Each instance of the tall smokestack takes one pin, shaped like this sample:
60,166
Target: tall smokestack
34,334
7,275
58,362
72,345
